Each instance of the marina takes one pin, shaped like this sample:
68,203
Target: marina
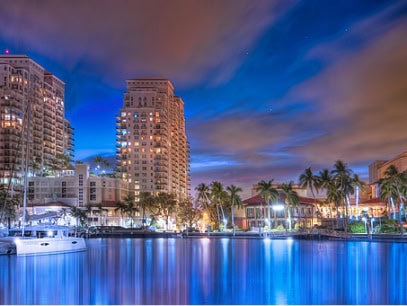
210,271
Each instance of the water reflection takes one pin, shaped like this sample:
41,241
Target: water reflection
210,271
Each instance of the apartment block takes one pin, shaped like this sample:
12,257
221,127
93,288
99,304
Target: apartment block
32,113
152,146
377,169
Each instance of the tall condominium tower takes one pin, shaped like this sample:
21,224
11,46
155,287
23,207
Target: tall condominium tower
152,146
32,113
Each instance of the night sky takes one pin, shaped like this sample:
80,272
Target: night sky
270,87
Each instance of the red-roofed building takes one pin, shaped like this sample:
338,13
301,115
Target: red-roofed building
257,214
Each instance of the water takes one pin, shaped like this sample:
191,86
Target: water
210,271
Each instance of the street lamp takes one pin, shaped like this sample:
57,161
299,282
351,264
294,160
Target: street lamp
278,207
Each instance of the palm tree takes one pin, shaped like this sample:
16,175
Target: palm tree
269,194
63,213
147,201
291,199
9,207
235,200
203,201
122,207
359,185
79,214
100,162
324,181
218,196
131,208
203,195
388,194
397,182
310,181
342,176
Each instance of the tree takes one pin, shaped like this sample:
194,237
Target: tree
359,185
187,213
147,201
310,181
167,204
203,195
342,177
122,208
269,194
63,213
79,214
388,194
394,185
8,207
131,208
203,201
235,200
218,196
291,199
101,163
324,181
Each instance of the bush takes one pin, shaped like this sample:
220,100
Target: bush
357,227
388,226
280,228
297,227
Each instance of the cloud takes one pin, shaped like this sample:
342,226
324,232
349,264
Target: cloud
353,110
240,136
361,102
181,40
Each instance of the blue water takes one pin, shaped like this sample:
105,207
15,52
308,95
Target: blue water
210,271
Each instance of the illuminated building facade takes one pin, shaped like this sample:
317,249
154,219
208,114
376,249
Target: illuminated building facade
152,147
96,195
32,113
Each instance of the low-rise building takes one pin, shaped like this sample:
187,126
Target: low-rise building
97,195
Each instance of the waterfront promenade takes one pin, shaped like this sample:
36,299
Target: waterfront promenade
306,234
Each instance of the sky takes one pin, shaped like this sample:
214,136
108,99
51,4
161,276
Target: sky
270,87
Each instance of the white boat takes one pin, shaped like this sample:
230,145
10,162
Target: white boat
46,239
42,239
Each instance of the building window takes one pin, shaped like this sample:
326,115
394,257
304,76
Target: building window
250,212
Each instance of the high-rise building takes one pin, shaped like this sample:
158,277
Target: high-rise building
152,147
32,113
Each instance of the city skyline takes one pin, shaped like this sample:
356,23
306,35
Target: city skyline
270,87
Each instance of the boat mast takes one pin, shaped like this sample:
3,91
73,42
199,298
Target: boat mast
25,177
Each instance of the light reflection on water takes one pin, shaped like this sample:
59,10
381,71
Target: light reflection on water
210,271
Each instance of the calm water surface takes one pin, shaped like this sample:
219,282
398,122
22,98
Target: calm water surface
215,271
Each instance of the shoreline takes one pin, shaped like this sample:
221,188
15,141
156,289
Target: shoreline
316,235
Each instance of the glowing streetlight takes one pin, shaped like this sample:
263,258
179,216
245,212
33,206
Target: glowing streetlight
278,207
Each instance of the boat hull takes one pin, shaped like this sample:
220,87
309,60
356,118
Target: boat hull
46,246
